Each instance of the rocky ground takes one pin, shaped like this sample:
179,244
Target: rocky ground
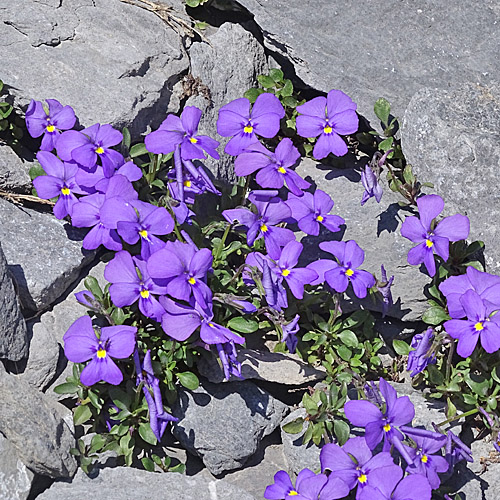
118,62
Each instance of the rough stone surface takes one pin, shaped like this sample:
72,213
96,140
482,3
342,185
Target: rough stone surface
15,478
13,334
224,423
452,139
36,427
281,368
46,357
124,483
14,172
44,254
376,229
227,68
361,49
113,62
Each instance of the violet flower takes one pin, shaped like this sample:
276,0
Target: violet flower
290,331
328,117
384,289
310,211
229,359
339,274
94,180
483,322
131,283
81,344
87,299
371,185
59,181
274,168
242,125
381,425
419,358
432,238
392,487
38,122
456,450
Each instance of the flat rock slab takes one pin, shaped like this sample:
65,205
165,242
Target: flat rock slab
14,171
35,426
15,477
44,254
113,62
13,333
376,229
125,483
385,49
224,423
452,139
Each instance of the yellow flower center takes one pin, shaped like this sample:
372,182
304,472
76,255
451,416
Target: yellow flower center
101,353
387,427
293,493
143,233
281,170
193,140
187,184
211,325
285,272
320,218
349,272
191,281
263,228
65,191
50,128
248,129
429,243
362,479
328,129
479,326
424,459
99,150
144,294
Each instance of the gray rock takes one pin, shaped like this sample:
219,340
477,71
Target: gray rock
224,423
36,427
452,139
382,49
14,172
46,357
376,229
281,368
15,478
125,483
227,68
13,334
44,254
86,53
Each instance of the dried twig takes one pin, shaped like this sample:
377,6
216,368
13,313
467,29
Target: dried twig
20,198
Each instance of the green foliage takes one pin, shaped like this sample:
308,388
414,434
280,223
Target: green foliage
12,126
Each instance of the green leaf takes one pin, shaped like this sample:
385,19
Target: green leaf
252,94
287,89
93,286
382,109
148,464
202,25
126,138
435,316
308,434
276,74
435,376
477,383
408,175
344,352
118,316
451,410
180,468
189,380
243,325
66,388
193,3
342,431
81,415
138,150
120,398
469,399
290,102
401,347
309,404
146,433
98,441
348,337
386,144
295,426
266,81
36,171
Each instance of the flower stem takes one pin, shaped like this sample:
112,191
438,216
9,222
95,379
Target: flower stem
458,417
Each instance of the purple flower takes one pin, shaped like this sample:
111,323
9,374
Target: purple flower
94,180
456,450
419,358
310,211
175,132
378,425
432,238
391,487
290,331
38,122
229,359
81,344
59,181
371,185
87,299
131,283
242,125
270,211
328,117
274,168
486,285
384,289
354,462
482,322
337,275
87,146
